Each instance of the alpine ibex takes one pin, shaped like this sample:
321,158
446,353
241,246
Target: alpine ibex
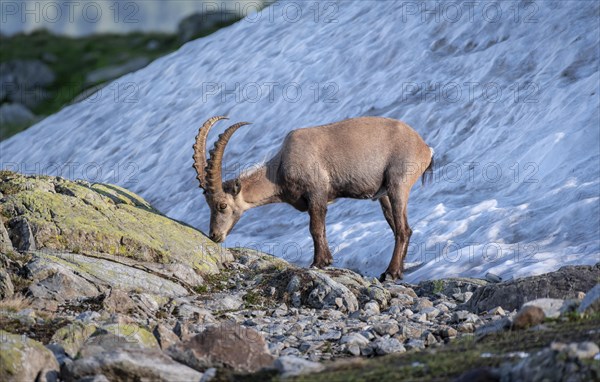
361,158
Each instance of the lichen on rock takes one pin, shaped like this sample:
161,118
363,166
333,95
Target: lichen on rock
80,217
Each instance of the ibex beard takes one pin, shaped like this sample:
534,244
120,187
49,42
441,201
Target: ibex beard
361,158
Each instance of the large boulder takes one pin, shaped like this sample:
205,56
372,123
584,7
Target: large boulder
79,217
227,345
199,24
23,359
5,243
449,287
6,286
15,114
119,360
565,283
66,276
24,81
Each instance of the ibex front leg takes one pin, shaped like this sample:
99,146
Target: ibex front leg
317,209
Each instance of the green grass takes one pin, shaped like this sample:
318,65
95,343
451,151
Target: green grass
76,57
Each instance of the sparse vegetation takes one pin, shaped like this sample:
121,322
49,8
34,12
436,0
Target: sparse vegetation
447,362
14,303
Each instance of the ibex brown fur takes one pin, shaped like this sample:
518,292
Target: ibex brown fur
360,158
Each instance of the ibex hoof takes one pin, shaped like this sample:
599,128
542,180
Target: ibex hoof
386,276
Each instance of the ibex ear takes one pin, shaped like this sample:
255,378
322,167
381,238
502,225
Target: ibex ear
237,187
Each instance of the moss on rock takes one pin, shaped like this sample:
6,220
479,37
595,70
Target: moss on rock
82,218
73,336
23,359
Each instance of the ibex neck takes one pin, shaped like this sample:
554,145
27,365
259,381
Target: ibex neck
259,188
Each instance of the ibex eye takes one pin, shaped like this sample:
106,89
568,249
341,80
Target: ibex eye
222,206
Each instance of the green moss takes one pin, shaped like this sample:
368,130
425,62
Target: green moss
74,217
438,286
133,333
253,299
73,336
75,58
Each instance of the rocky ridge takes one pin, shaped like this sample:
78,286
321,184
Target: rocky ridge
97,295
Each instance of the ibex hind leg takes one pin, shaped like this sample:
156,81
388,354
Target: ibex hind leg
386,207
398,198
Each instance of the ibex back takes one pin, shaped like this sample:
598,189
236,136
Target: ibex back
361,158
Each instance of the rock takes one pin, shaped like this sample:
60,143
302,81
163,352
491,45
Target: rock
402,300
552,307
60,276
385,346
562,284
449,287
24,81
291,366
54,281
121,361
415,344
421,304
16,114
497,311
21,235
165,336
5,243
107,220
397,291
430,313
223,302
87,316
448,332
459,316
73,336
6,286
331,335
549,365
591,302
386,327
379,294
115,71
493,278
191,312
129,333
581,350
372,308
463,296
528,315
326,291
409,330
354,342
428,338
229,345
198,24
466,327
491,327
23,359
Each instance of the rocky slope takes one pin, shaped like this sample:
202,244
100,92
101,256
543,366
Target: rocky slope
95,284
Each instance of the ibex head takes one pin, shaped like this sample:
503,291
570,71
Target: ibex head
223,198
